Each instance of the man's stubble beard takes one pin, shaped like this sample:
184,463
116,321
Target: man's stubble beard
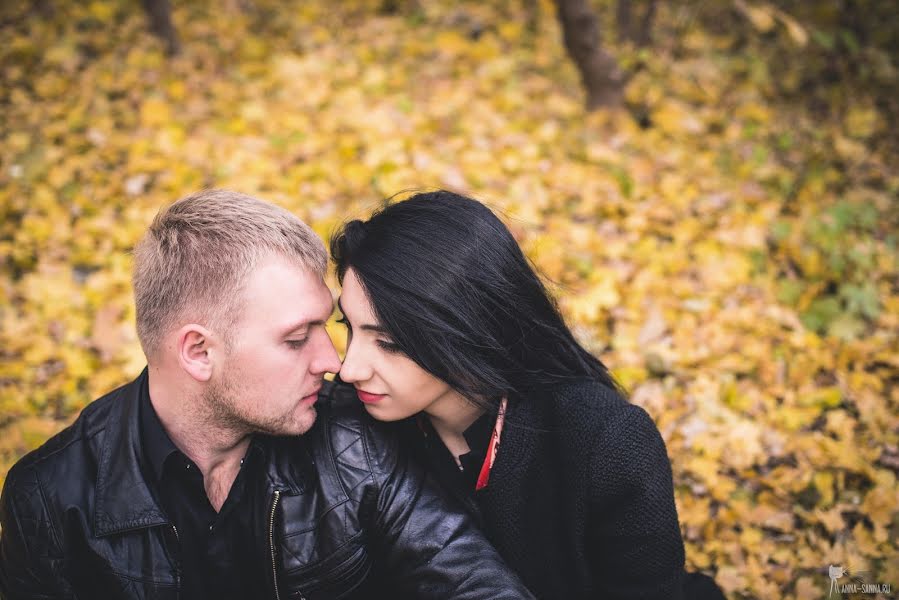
220,403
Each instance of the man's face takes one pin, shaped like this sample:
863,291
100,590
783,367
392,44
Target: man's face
269,378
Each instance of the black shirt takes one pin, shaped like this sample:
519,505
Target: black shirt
217,558
465,477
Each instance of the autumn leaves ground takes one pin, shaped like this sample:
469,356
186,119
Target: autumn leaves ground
731,255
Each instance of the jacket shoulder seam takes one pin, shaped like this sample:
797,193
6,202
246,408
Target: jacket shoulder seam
38,458
45,506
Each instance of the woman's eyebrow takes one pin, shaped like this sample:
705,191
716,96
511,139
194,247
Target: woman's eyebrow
365,327
375,328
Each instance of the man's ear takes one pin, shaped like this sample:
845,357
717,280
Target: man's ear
195,352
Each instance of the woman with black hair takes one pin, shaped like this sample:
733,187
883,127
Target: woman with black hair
453,335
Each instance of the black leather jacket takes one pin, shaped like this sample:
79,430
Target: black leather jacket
79,518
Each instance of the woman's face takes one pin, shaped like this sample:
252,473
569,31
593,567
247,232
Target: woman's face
390,384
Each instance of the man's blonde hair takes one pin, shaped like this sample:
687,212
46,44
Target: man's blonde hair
193,262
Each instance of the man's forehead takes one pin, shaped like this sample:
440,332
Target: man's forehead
284,297
311,309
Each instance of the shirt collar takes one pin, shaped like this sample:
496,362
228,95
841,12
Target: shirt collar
478,433
158,446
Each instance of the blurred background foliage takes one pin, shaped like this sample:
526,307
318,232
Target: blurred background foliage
723,232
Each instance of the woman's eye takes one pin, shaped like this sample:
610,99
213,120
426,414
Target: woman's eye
297,344
349,330
389,347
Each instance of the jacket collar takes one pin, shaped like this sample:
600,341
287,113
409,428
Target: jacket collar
123,498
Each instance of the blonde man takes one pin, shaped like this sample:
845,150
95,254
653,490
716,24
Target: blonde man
214,474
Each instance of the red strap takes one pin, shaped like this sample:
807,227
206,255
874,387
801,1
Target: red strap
492,448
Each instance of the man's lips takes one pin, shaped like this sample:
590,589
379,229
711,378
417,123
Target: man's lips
312,397
368,397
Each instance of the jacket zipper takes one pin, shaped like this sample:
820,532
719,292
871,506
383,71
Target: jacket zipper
178,564
271,541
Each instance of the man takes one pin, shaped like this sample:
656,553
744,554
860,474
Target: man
210,476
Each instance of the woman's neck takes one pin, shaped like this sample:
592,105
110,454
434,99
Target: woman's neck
450,418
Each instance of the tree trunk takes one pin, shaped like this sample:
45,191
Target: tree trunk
643,35
623,19
602,79
531,16
628,29
45,8
160,13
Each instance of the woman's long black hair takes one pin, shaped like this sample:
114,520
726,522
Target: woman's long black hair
450,284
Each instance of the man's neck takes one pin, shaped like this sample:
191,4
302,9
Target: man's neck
216,450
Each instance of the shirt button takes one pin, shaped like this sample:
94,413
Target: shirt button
211,527
241,462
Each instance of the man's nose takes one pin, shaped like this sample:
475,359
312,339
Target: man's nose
326,359
354,368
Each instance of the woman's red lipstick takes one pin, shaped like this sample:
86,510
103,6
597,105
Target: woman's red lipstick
368,397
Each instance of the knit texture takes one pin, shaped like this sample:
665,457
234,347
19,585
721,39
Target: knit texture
580,501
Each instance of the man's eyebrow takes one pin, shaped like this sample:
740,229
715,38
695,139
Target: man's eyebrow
303,324
366,327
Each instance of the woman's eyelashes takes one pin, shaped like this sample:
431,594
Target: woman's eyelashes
389,347
349,329
385,345
297,344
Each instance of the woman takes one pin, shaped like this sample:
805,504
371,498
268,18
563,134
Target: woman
452,334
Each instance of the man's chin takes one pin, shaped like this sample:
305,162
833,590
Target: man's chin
300,424
297,425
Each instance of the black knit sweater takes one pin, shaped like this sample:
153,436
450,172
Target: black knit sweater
580,499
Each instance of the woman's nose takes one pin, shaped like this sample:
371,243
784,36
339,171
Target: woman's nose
354,369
